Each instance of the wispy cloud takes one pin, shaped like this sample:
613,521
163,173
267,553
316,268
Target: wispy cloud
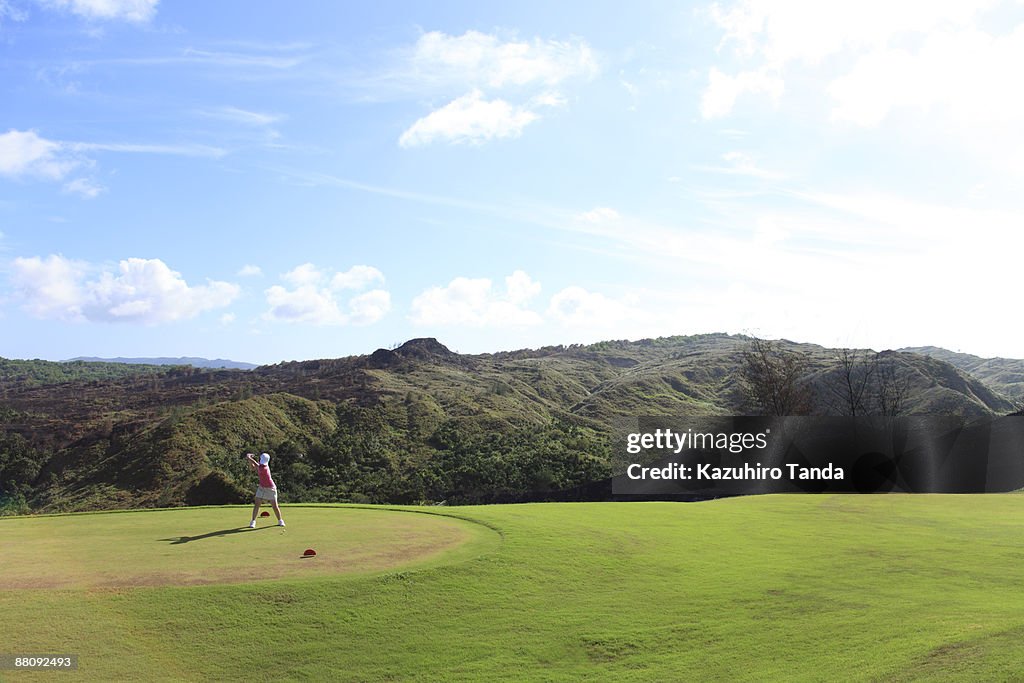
199,57
313,178
11,12
187,150
268,45
28,155
439,64
84,187
240,59
241,116
741,164
134,11
746,256
742,243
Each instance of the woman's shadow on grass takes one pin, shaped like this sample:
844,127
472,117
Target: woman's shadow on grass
177,540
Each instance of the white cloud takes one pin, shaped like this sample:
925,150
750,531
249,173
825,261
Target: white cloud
370,307
547,99
527,74
25,153
873,57
520,287
227,318
304,275
599,214
777,30
966,74
723,90
304,304
852,268
577,307
357,277
483,60
50,288
474,302
314,297
602,221
136,11
469,118
249,270
84,187
140,291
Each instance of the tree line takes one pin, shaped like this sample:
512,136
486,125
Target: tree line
780,381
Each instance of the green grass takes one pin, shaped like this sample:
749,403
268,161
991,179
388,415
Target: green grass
773,587
214,545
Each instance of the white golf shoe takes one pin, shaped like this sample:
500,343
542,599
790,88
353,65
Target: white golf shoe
252,524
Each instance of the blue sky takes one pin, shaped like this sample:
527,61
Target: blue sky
271,181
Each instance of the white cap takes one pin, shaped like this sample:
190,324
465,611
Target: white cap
265,458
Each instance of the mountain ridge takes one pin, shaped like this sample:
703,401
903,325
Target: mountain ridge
1004,374
414,423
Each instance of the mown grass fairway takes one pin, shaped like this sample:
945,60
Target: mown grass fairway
774,587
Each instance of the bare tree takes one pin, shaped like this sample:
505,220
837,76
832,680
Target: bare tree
774,379
850,385
868,383
892,386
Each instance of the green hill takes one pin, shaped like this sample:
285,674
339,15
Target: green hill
30,373
1005,375
418,423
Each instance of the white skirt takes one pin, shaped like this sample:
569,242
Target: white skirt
266,494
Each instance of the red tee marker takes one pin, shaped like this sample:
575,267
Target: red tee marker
309,552
264,514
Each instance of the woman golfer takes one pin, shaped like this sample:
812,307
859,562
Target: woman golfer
266,491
